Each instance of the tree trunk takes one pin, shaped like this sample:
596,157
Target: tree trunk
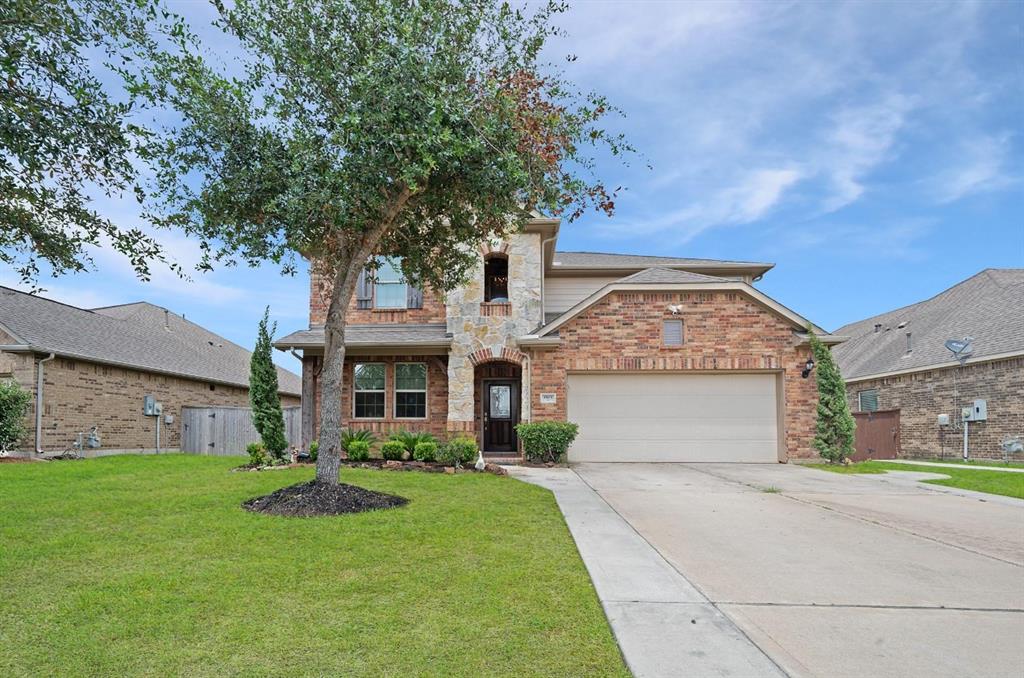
328,460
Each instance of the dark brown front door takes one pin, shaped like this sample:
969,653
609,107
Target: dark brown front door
877,435
501,414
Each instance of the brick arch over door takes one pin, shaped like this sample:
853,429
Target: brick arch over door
487,355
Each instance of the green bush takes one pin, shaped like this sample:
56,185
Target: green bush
349,436
14,403
257,454
425,451
410,440
358,450
393,450
314,449
545,441
457,451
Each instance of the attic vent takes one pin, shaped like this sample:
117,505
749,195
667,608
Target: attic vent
672,333
901,325
909,345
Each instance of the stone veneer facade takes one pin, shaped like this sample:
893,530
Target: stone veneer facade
78,395
922,396
723,332
478,329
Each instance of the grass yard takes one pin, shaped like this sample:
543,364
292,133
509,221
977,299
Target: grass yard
148,566
992,482
975,462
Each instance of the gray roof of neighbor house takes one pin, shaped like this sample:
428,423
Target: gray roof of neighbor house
140,336
659,275
390,334
599,260
988,307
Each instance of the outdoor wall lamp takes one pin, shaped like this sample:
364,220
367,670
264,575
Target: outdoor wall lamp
808,366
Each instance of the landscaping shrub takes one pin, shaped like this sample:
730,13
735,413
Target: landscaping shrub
545,441
348,436
393,450
264,399
410,440
457,451
314,449
833,437
358,450
257,454
14,403
425,451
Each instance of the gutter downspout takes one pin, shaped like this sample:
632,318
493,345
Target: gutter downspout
39,403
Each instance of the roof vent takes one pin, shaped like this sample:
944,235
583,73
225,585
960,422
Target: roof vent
909,345
878,326
901,325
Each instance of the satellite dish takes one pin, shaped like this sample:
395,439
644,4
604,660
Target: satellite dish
960,348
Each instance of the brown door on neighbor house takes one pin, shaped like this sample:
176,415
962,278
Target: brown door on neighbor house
501,414
877,436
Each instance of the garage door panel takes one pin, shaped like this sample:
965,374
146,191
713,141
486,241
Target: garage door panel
674,417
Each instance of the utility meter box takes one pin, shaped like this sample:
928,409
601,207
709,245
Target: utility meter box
149,406
158,409
977,412
943,420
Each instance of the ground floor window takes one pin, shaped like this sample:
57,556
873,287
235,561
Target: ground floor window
368,387
411,390
867,401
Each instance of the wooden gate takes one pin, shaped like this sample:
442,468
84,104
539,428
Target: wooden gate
225,431
877,436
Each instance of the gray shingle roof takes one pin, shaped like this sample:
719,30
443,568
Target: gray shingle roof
370,335
619,261
658,275
139,335
988,307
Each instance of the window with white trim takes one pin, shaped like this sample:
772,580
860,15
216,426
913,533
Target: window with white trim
411,391
867,400
672,333
368,390
390,289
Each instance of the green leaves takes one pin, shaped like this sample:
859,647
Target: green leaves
835,425
264,399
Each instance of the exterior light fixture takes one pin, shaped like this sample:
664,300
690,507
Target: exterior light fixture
808,366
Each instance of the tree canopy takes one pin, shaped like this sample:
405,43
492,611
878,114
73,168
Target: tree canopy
64,135
406,128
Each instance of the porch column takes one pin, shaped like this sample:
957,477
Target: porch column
460,394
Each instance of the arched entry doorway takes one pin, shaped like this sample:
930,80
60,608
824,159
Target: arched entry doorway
497,399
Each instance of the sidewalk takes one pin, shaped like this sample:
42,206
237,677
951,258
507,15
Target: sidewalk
664,626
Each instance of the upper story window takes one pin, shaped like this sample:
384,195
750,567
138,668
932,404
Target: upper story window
867,400
386,288
368,391
496,279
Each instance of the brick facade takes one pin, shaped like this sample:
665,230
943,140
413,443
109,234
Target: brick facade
78,395
723,331
922,396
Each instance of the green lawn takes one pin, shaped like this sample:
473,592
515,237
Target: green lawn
975,462
148,566
992,482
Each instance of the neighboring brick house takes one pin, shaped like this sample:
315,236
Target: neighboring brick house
657,358
98,364
898,361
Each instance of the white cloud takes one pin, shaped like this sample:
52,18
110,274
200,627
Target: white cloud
981,167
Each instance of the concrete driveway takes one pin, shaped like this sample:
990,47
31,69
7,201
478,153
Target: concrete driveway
837,575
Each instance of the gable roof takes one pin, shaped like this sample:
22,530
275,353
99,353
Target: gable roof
665,279
988,306
604,261
141,336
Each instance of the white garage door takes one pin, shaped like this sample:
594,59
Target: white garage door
674,417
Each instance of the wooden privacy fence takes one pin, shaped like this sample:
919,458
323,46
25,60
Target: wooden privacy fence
225,431
877,436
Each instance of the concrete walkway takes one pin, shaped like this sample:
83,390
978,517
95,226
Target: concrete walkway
939,464
664,626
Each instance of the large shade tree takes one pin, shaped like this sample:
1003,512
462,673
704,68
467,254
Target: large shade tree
353,128
66,130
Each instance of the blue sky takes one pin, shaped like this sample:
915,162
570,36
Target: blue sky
872,151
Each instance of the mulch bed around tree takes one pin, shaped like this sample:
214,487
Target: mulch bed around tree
321,499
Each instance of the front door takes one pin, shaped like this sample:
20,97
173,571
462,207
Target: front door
501,414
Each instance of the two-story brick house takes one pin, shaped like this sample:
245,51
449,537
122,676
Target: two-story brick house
657,358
